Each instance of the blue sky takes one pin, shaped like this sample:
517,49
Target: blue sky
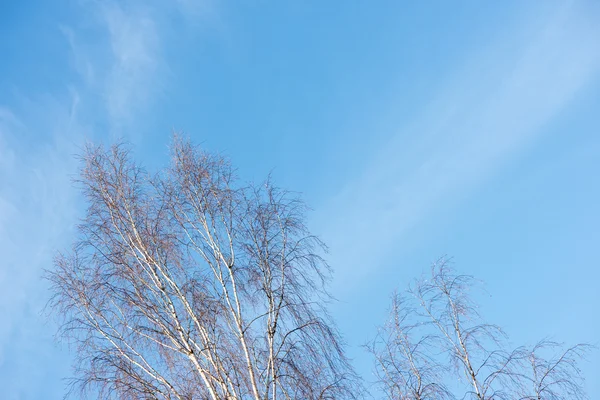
413,130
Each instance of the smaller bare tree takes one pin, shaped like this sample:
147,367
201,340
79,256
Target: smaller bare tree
436,334
476,349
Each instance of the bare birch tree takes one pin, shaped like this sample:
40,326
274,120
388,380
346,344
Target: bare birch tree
435,335
188,285
404,351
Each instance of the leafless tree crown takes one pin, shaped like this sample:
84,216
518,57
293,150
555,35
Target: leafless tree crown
187,285
435,345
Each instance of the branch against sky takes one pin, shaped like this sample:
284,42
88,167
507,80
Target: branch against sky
435,337
552,371
189,284
477,350
404,351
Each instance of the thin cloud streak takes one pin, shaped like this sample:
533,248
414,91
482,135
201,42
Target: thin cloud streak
491,112
123,73
37,209
132,82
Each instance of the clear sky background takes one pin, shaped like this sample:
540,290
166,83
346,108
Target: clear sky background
414,130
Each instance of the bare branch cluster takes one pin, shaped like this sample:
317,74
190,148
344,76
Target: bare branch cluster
187,285
435,337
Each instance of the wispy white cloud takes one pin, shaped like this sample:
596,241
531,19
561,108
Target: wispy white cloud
488,113
120,54
197,10
133,80
80,62
124,65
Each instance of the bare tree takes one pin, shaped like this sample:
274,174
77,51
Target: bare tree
405,366
437,327
475,348
188,285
